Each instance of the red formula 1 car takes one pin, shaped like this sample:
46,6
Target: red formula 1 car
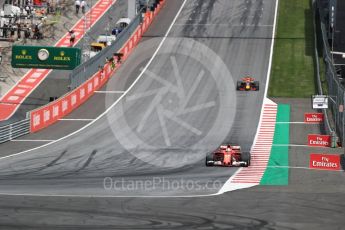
248,84
227,155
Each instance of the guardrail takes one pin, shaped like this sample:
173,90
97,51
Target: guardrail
15,130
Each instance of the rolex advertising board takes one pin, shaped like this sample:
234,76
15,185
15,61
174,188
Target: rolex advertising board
46,57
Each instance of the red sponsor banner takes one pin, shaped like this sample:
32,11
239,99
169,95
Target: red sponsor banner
313,117
319,140
324,161
49,114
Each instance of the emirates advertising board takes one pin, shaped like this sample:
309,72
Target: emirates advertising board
324,161
313,117
317,140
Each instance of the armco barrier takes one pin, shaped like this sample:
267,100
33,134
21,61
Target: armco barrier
12,131
52,112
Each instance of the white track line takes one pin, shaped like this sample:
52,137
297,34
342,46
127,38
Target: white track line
272,48
75,119
118,100
305,168
225,25
110,92
299,145
154,197
104,196
23,140
297,122
291,145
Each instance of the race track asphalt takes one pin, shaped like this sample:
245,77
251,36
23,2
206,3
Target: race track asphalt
153,141
182,107
249,209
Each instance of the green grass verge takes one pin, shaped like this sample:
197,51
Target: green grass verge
292,73
279,154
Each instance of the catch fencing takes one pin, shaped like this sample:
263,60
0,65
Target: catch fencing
334,87
86,70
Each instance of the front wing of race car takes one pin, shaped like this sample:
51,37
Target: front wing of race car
233,164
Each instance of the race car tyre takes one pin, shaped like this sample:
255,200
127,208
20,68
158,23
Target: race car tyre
239,84
209,158
245,156
256,83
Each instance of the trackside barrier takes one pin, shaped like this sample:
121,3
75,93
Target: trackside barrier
335,88
327,125
14,130
52,112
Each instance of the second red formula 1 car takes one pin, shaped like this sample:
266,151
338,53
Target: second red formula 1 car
227,155
248,84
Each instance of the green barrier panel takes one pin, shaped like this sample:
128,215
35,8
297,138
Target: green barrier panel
277,172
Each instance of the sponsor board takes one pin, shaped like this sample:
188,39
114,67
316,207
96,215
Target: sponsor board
320,102
45,57
324,161
313,117
319,140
